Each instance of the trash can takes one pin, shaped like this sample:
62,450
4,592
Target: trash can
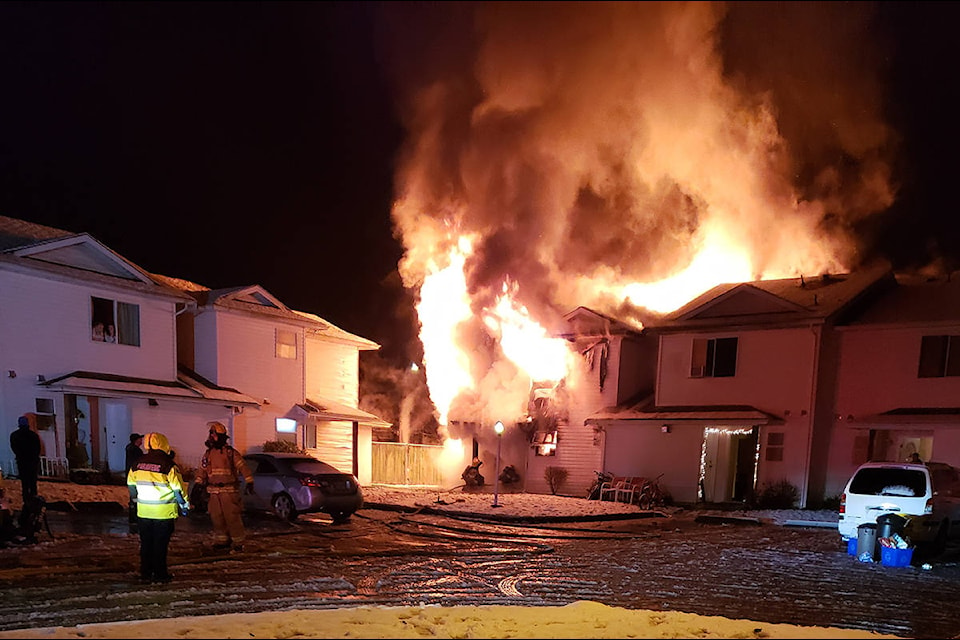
867,542
891,523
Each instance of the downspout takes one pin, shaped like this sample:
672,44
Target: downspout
812,412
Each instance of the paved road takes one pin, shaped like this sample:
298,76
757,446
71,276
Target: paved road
767,573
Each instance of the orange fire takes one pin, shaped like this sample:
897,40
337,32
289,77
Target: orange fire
606,156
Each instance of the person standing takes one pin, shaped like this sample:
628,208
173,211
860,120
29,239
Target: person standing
156,486
221,471
26,447
134,451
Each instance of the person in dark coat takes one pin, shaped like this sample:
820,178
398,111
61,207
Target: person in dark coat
26,448
134,453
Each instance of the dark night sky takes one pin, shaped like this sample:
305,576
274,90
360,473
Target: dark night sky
254,143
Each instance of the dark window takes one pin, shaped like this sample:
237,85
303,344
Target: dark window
774,450
714,358
939,357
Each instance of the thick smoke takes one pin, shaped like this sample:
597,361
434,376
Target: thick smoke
603,139
587,146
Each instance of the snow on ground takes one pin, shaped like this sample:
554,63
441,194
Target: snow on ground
577,620
510,504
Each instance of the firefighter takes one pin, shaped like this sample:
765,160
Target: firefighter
222,470
156,486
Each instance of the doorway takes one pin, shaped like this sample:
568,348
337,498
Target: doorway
728,463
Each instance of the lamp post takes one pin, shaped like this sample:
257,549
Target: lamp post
498,427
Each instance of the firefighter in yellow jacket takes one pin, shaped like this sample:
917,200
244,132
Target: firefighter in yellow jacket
156,486
221,471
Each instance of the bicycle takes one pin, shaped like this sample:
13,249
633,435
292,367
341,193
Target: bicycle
652,494
593,493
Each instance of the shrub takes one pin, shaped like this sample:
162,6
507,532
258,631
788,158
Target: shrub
778,495
555,477
282,446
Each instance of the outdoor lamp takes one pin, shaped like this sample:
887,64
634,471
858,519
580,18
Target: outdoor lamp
498,427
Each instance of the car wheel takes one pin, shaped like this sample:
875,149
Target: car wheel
283,507
340,517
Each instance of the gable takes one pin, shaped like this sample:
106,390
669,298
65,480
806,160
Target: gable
743,300
86,254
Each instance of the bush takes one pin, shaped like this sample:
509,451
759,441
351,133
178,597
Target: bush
555,477
778,495
282,446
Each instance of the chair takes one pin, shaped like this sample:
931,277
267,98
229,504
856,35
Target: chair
611,488
626,490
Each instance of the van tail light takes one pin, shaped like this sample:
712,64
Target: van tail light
928,508
843,503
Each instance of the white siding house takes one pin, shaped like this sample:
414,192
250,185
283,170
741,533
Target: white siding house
302,371
88,344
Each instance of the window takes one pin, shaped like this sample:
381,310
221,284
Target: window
116,322
939,357
46,418
714,358
544,443
286,344
774,452
286,430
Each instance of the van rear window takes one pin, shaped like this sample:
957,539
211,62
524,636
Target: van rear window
889,482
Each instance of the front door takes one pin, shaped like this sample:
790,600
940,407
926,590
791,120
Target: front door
727,463
116,429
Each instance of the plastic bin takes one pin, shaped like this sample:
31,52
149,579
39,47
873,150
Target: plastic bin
891,523
867,541
893,557
852,546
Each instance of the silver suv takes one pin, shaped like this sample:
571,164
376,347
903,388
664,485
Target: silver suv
929,493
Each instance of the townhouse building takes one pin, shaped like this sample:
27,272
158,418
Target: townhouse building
94,348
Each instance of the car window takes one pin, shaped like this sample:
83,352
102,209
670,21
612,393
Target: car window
259,465
311,466
879,481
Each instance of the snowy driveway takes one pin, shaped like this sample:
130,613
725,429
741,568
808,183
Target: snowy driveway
764,572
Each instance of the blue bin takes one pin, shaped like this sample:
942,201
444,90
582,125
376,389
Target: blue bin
893,557
852,546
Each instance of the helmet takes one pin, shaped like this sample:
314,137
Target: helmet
217,428
157,441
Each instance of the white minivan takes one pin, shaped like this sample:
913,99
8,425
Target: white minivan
929,493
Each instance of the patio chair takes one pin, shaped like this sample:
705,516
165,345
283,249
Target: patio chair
609,490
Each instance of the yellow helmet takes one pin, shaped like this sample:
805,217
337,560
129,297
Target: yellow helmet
157,441
217,427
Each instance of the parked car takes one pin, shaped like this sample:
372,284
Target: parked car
928,493
290,484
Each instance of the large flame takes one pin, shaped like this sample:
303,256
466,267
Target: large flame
613,156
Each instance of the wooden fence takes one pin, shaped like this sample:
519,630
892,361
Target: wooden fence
406,464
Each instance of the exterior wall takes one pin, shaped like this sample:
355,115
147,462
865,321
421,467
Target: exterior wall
333,371
579,446
640,449
45,330
775,373
246,360
874,380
